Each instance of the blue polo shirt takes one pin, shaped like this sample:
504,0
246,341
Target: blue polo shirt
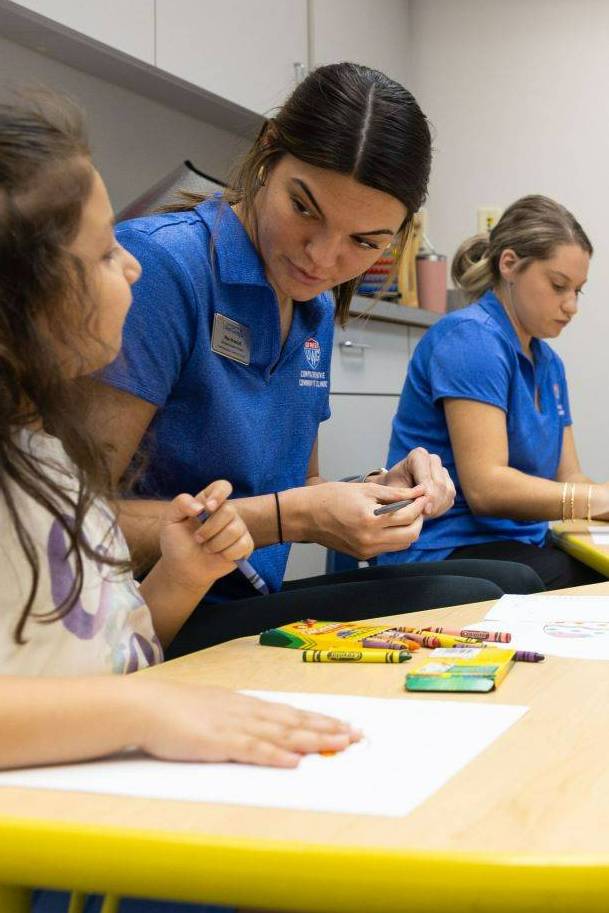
202,343
475,353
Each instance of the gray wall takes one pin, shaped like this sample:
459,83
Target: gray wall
517,93
135,141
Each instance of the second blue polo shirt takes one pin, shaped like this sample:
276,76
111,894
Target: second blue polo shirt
475,354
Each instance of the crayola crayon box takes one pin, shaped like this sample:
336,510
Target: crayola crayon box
311,634
462,669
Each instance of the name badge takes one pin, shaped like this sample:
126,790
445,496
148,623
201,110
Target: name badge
231,339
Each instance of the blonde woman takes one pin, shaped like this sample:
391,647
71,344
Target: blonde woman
488,394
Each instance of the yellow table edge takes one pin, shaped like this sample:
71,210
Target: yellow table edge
291,876
583,551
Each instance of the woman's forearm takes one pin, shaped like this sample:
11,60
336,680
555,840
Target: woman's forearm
339,515
260,516
577,478
507,492
140,522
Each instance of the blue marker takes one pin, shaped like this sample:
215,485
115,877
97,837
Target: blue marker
244,566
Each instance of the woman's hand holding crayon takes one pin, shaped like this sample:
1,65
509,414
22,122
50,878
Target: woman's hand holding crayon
180,721
340,515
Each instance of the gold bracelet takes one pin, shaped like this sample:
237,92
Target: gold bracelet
572,501
563,500
589,511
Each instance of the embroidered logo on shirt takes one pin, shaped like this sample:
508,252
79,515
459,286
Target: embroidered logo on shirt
313,378
559,406
312,351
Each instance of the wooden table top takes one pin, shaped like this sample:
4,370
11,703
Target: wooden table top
538,793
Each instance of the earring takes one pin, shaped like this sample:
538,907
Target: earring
261,176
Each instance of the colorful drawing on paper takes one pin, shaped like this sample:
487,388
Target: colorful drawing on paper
579,629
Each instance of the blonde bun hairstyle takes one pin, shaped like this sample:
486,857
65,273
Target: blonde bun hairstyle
533,227
471,267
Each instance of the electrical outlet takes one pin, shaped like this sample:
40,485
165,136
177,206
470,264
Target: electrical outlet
488,216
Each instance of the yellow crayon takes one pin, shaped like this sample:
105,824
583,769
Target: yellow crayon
355,656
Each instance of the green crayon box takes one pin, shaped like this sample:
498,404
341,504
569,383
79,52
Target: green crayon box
462,669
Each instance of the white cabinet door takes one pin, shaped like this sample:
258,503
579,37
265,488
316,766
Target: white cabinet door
127,25
370,357
363,31
356,437
242,50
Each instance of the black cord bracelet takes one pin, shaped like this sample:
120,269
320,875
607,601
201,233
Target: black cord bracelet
279,526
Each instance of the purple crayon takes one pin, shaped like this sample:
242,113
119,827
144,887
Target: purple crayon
528,656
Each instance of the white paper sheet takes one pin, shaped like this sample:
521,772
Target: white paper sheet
383,775
599,534
576,627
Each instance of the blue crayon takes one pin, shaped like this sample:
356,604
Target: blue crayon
244,566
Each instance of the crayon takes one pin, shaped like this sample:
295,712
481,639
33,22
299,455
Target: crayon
426,639
497,637
528,656
422,640
390,508
520,656
388,643
355,656
244,566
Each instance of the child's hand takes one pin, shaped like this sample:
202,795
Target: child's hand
184,722
198,553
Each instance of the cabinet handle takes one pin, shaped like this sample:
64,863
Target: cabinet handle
348,346
300,72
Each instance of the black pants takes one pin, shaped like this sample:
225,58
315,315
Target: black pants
556,568
351,595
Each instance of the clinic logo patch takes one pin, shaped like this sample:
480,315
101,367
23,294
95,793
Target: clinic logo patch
310,377
312,351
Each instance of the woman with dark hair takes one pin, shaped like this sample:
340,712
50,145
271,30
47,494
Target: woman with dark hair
488,367
227,351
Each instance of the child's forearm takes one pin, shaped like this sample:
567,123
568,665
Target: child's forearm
55,720
59,720
169,600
